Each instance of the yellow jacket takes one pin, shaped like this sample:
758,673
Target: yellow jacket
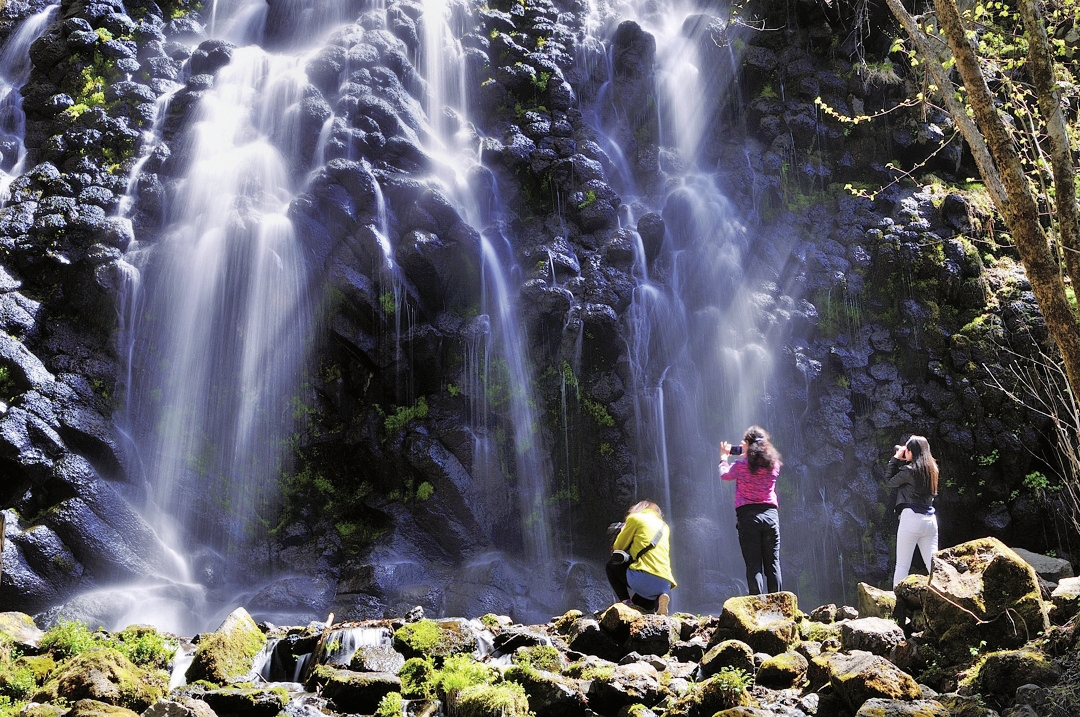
638,532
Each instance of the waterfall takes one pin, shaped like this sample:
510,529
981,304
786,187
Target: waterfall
504,372
702,371
220,319
14,72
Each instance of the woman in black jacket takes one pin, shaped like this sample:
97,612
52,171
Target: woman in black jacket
914,472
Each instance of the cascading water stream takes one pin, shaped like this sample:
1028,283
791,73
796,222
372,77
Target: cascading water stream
15,68
698,376
453,146
222,316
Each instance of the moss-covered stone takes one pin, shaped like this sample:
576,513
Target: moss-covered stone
1000,673
767,623
427,638
783,671
983,592
729,653
565,622
722,691
550,695
504,700
39,709
357,691
879,707
227,654
93,708
248,701
105,675
860,676
19,629
875,602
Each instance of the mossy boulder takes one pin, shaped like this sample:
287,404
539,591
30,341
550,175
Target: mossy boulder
227,654
550,695
875,602
983,591
879,707
377,658
722,691
93,708
767,623
1000,673
349,691
428,638
247,701
859,676
729,653
783,671
565,622
507,699
872,634
1066,600
19,629
628,684
652,635
180,705
617,619
105,675
38,709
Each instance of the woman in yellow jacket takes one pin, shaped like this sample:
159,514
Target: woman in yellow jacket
645,541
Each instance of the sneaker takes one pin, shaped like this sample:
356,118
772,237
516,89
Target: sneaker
662,604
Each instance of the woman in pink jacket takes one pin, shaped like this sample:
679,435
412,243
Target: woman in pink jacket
756,510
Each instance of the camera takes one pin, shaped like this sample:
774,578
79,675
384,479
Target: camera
736,450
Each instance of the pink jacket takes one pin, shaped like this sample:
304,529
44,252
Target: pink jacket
755,488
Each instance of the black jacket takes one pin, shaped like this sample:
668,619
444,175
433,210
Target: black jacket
899,474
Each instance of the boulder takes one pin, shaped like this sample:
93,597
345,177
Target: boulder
93,708
652,635
782,672
19,628
105,675
1048,568
247,701
872,634
354,692
227,654
586,636
377,658
1001,673
722,691
983,591
637,682
859,676
879,707
550,695
730,653
1066,599
875,602
764,622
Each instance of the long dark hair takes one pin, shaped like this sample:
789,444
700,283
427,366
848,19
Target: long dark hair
761,454
923,463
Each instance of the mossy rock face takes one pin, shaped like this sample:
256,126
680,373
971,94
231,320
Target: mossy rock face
767,623
504,700
1002,672
248,702
729,653
984,584
105,675
709,697
784,671
227,654
93,708
860,676
19,629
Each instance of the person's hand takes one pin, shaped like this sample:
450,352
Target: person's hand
902,454
725,450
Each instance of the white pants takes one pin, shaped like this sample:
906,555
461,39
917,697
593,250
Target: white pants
915,529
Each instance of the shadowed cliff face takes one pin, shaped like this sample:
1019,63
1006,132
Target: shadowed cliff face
331,307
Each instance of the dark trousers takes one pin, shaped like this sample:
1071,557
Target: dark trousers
759,538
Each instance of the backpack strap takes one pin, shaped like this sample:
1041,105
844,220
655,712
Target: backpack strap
655,540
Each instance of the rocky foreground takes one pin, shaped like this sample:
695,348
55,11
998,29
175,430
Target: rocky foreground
983,641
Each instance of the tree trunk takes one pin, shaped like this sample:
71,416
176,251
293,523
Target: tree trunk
1042,72
1021,216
